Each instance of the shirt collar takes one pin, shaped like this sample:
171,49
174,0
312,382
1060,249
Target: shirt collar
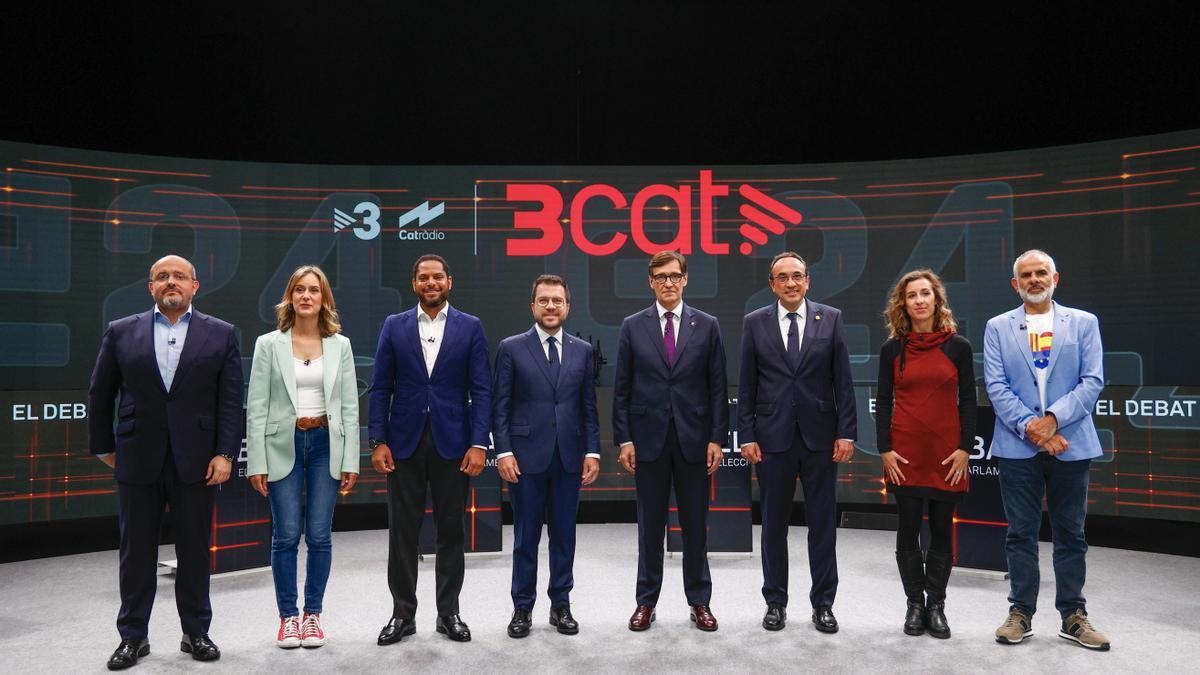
542,334
663,310
782,313
186,316
442,314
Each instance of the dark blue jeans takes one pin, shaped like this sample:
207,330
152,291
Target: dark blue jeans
1065,485
294,508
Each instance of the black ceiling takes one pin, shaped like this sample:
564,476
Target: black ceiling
593,82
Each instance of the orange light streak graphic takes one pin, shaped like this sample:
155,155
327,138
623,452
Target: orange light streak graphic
1159,152
53,495
321,189
243,523
1126,176
115,168
1089,189
957,181
1106,212
72,175
230,195
38,192
226,547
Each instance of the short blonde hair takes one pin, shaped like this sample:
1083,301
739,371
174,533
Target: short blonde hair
327,320
898,323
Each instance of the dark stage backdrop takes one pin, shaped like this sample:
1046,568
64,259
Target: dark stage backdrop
80,229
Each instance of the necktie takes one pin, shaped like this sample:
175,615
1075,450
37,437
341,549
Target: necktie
669,338
793,342
554,364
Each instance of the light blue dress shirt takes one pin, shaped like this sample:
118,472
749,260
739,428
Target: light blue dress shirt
168,343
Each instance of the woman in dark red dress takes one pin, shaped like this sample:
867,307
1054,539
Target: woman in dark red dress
925,420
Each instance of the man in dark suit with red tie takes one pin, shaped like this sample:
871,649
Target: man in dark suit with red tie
429,422
670,419
179,423
796,415
547,444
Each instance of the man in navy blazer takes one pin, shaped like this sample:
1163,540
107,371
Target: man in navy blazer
796,415
547,444
670,419
178,374
430,416
1043,365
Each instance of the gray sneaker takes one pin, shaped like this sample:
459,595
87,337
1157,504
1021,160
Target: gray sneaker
1016,628
1077,627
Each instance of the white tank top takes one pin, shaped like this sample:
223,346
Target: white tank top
310,388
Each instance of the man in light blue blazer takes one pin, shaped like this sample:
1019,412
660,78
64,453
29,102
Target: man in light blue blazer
430,421
1043,366
547,439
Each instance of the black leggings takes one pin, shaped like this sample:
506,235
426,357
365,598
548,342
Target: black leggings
941,517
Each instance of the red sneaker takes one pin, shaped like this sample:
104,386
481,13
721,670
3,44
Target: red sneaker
311,634
289,633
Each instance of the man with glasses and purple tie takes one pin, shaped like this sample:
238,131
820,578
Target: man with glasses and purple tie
670,419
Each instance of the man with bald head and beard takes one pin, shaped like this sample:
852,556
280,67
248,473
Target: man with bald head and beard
172,378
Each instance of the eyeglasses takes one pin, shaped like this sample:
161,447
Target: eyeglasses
548,302
178,276
797,277
661,279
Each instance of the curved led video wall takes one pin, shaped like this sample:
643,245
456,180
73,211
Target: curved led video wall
79,230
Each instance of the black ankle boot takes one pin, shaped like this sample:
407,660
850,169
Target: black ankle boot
937,575
912,576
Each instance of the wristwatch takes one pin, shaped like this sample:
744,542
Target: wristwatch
226,455
374,443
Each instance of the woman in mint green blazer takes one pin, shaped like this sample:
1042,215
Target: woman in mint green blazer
302,442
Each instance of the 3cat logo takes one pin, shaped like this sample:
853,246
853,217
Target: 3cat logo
764,216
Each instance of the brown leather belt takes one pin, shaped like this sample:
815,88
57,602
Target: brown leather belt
306,423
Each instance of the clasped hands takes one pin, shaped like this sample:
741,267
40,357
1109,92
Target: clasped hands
1043,432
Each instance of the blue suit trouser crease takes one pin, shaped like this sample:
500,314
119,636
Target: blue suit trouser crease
551,498
777,475
303,501
1023,482
691,482
141,510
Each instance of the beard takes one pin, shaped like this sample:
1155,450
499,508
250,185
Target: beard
437,301
173,301
1037,298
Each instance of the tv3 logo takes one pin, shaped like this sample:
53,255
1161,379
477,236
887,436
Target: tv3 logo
764,216
370,211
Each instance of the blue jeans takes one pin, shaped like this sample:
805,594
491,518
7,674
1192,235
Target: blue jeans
293,508
1065,485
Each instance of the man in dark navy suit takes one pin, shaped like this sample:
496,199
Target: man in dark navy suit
670,418
179,423
796,415
430,417
547,444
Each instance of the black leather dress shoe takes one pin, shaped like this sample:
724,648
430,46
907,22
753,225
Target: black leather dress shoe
561,618
823,619
520,624
395,630
200,647
128,653
453,627
776,616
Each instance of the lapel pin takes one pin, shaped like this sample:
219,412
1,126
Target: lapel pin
693,324
817,317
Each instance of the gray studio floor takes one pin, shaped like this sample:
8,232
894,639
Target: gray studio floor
57,616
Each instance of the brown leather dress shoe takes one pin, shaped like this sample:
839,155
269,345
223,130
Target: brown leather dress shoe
703,618
642,617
